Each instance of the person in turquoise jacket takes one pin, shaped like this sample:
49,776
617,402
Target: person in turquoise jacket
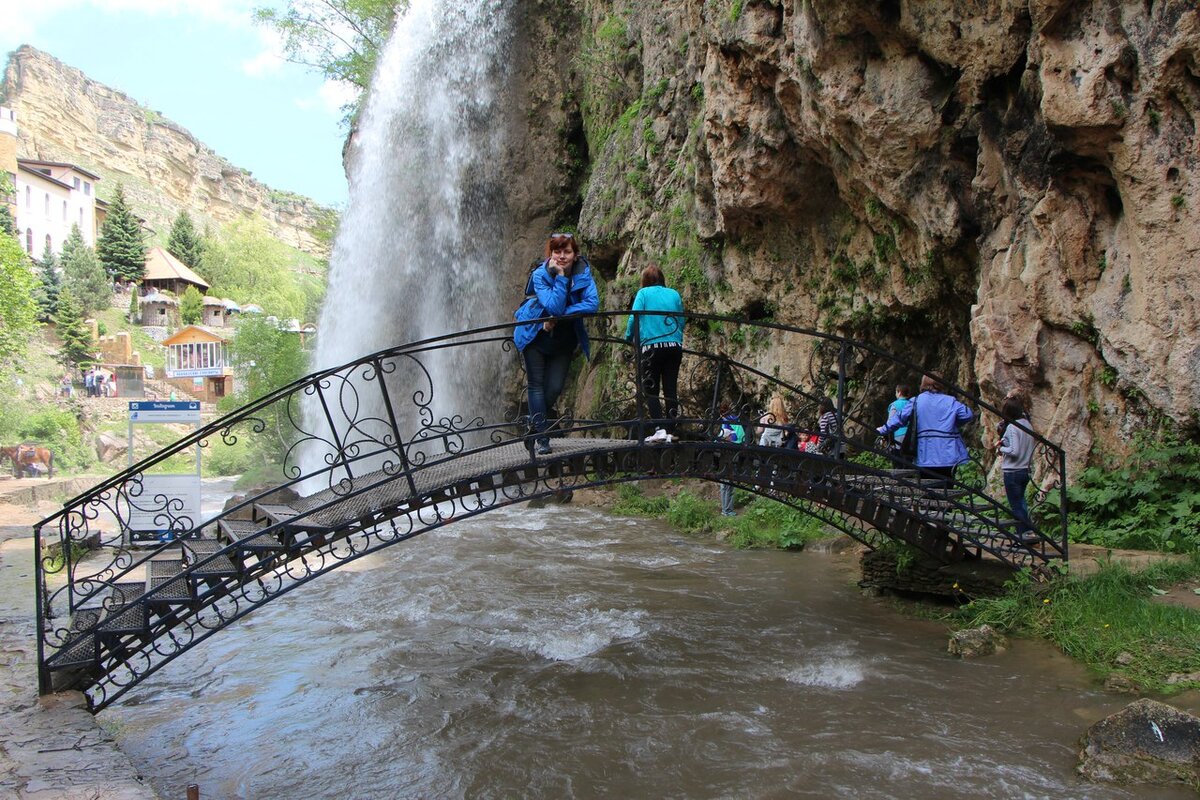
560,286
659,339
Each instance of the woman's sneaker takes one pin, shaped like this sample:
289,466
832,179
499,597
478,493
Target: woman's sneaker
660,436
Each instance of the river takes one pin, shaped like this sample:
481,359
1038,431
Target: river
564,652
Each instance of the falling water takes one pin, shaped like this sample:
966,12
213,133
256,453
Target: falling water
417,252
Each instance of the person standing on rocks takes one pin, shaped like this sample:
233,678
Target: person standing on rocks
660,347
560,286
939,417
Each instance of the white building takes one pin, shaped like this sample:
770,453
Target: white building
52,196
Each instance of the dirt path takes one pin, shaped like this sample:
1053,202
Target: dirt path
50,747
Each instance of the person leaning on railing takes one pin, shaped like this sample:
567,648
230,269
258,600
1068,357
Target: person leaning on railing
1016,447
940,448
660,346
559,286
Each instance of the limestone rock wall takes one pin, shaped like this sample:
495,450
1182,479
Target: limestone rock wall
1004,190
62,115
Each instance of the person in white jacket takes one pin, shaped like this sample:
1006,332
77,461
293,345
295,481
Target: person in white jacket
1016,448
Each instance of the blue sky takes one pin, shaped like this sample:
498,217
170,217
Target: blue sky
206,65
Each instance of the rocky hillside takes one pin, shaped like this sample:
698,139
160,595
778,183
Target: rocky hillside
1004,190
63,115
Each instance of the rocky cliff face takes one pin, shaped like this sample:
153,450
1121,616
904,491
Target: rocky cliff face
1002,190
64,116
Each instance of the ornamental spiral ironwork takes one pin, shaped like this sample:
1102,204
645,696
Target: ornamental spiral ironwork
363,457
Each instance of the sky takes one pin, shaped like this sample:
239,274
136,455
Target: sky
206,65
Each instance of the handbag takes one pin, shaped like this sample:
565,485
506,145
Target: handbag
908,445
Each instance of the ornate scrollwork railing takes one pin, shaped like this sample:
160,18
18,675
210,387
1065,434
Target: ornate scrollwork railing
336,444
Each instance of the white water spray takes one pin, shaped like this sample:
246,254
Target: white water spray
417,252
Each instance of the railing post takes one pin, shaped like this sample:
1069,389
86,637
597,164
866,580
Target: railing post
841,400
1062,500
39,587
387,402
639,428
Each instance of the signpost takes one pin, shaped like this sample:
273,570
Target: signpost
178,492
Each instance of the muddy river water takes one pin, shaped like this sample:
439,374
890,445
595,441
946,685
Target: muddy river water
564,652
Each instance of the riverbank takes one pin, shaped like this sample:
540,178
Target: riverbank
51,748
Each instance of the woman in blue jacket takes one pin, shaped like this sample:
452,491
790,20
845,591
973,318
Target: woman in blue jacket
660,346
560,286
940,447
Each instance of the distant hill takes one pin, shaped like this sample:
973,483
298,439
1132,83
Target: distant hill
62,115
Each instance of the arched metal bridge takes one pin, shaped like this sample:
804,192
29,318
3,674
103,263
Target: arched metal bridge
367,455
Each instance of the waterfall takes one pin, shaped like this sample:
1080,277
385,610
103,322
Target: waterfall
417,252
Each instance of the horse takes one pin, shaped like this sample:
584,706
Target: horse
29,459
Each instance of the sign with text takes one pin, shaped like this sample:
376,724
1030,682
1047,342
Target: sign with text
167,505
198,372
164,411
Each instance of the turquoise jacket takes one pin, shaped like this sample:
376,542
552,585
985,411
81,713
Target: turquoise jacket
654,329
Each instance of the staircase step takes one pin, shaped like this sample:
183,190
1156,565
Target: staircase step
168,577
283,513
81,653
245,533
205,561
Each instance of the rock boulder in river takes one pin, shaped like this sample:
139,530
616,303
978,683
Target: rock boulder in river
975,642
1146,742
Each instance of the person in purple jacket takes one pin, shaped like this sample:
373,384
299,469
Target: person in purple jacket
940,447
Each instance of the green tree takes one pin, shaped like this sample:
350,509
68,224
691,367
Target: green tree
135,309
191,306
266,358
7,193
78,349
248,264
84,276
184,243
121,248
340,38
18,308
47,292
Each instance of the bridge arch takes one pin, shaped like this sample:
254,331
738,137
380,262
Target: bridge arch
390,467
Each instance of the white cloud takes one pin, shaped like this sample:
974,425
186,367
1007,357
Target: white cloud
331,97
270,60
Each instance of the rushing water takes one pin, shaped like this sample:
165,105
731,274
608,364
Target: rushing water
563,652
416,251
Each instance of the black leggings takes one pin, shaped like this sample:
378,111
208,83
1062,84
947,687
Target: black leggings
660,367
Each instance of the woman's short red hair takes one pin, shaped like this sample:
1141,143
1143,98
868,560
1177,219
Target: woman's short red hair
561,241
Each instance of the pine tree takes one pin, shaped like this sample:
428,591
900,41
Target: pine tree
184,242
47,291
84,276
77,346
191,306
121,248
135,308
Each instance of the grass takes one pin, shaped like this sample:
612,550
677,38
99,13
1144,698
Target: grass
1098,618
762,523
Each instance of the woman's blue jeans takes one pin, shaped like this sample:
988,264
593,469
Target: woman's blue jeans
1015,483
546,375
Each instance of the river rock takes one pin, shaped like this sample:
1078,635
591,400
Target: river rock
1146,742
1123,659
1120,683
975,642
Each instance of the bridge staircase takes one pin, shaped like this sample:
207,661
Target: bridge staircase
112,625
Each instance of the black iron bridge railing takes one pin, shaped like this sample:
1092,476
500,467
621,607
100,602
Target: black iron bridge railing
356,458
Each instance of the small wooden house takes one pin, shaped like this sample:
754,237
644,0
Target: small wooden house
198,362
167,273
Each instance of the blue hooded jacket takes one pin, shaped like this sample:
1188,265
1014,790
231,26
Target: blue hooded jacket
557,296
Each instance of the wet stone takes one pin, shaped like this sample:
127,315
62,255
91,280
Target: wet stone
976,642
1146,742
